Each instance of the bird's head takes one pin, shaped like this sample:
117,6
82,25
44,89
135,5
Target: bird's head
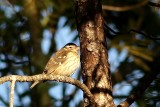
71,47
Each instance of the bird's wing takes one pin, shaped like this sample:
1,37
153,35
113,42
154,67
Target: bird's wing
55,62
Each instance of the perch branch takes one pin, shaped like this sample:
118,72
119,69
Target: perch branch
41,77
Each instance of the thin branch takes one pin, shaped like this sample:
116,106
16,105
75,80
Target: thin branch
42,77
106,27
124,8
7,59
154,4
12,91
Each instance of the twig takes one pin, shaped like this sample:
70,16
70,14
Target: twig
7,59
13,80
41,77
106,27
154,4
124,8
131,7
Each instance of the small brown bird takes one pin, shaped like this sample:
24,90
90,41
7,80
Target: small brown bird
64,62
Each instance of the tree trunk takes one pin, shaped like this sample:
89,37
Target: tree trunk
94,58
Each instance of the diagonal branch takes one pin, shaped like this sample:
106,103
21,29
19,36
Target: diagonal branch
42,77
142,86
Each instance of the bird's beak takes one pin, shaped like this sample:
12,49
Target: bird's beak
77,48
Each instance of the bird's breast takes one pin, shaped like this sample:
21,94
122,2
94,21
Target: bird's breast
68,67
72,63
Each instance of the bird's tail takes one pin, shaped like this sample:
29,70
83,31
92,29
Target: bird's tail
35,83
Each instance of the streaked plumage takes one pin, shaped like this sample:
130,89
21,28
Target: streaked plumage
64,62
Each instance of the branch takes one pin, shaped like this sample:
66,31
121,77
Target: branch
42,77
124,8
12,92
144,83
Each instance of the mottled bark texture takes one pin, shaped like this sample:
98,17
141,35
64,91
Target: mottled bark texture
94,58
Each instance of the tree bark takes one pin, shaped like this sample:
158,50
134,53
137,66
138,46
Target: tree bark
94,58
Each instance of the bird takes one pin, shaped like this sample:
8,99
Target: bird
64,62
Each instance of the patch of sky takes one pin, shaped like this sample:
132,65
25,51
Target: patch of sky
112,26
2,64
44,13
8,8
46,41
8,11
78,97
115,58
134,76
20,89
25,36
64,34
122,88
138,74
158,104
3,25
140,37
123,54
26,101
20,72
4,94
